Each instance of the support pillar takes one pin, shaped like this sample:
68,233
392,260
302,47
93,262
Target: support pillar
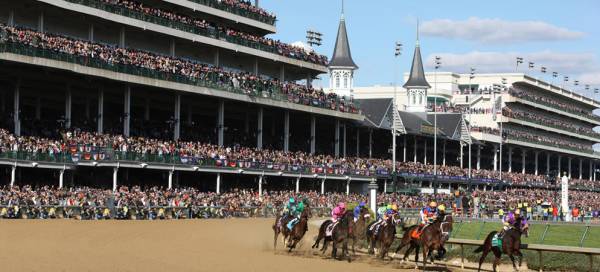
190,114
591,170
87,108
127,111
282,73
13,175
100,117
580,168
461,154
370,143
61,178
415,149
425,151
478,157
444,154
358,142
323,186
91,33
569,165
11,18
547,163
259,130
495,158
221,122
404,148
122,37
218,185
523,164
68,105
170,184
41,22
297,185
115,174
216,58
17,110
313,130
347,187
260,183
172,48
286,131
256,67
177,117
38,108
373,195
537,155
147,108
558,167
337,138
344,143
510,149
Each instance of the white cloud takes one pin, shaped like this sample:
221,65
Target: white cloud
497,30
571,64
591,78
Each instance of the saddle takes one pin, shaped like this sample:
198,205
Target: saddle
292,223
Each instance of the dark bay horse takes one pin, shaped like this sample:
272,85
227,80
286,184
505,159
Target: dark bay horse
280,226
360,227
385,236
340,234
298,231
511,244
407,239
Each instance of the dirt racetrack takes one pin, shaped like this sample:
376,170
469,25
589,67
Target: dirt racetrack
175,245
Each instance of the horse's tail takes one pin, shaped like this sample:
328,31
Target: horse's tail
487,240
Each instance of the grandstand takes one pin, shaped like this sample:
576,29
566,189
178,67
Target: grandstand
105,93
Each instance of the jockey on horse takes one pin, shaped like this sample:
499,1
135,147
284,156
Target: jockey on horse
336,214
296,214
509,221
358,209
390,211
428,215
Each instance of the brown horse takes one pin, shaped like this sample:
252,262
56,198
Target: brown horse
511,244
360,227
432,238
413,243
340,234
298,231
280,226
385,236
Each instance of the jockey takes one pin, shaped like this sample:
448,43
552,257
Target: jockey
428,215
338,211
357,210
509,221
296,216
290,208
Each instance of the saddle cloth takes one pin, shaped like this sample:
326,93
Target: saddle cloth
329,230
497,241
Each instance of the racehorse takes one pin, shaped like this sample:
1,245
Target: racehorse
341,233
360,227
298,230
407,238
511,244
280,226
385,236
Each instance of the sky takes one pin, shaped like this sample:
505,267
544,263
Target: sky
562,36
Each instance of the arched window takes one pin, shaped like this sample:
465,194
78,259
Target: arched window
414,98
346,81
420,99
337,81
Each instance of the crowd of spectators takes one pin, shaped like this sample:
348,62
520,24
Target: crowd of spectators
553,102
241,5
537,137
159,203
246,82
531,116
211,28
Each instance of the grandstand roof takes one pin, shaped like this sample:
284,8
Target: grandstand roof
417,75
341,53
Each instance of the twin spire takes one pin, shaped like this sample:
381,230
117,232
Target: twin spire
342,57
417,80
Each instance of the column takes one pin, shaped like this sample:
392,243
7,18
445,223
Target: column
260,183
594,172
308,80
591,170
256,67
461,154
286,131
580,168
38,108
115,172
87,108
358,142
323,186
425,151
147,108
13,175
216,58
510,159
345,145
172,47
259,130
348,187
11,18
547,163
537,154
415,150
190,114
297,184
127,111
370,143
91,33
495,158
68,105
221,122
61,175
17,110
100,117
478,157
558,167
569,167
41,22
218,185
444,154
523,155
373,195
177,117
282,73
313,130
337,138
404,148
122,37
170,184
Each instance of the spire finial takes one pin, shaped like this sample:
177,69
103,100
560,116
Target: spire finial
342,9
417,31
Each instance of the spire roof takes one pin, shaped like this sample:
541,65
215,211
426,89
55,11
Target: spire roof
341,54
417,75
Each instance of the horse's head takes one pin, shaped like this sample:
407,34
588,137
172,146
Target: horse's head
524,227
445,226
305,214
395,218
364,213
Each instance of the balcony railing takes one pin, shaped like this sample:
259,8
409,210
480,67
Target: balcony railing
531,120
209,80
267,19
209,31
552,105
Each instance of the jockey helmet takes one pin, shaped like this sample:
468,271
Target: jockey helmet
442,207
432,204
389,206
342,205
292,200
361,204
517,211
394,207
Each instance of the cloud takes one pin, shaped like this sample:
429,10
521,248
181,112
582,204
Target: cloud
498,62
591,78
484,30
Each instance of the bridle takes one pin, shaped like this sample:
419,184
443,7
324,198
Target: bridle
444,222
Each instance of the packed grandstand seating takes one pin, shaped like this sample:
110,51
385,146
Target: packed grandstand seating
76,145
199,73
554,102
159,203
555,122
204,27
241,7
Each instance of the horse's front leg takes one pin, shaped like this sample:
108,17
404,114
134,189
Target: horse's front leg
512,259
334,249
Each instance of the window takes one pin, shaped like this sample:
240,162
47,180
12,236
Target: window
414,98
346,82
337,81
420,99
